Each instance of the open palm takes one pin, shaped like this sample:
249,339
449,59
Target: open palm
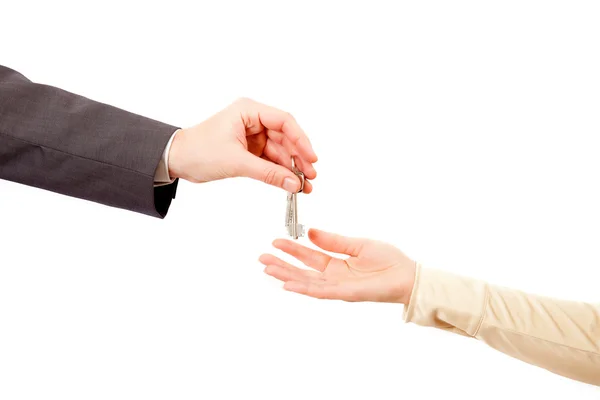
375,271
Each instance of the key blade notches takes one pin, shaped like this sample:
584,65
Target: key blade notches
294,229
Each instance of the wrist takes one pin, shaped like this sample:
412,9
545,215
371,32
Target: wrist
410,284
406,283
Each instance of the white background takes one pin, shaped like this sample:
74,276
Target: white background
463,132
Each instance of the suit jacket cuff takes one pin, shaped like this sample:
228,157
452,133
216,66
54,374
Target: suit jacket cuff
162,176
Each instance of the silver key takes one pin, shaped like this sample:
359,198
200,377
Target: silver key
294,229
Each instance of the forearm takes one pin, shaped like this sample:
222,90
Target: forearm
65,143
560,336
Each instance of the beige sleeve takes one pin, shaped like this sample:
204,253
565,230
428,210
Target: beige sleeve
558,335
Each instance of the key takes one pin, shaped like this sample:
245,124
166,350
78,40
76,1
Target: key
294,229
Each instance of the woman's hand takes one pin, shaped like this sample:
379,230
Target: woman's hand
375,271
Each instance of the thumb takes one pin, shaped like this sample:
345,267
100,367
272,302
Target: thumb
336,243
269,172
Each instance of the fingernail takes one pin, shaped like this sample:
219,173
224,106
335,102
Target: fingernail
291,185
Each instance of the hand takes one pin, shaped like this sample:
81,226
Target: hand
246,139
375,271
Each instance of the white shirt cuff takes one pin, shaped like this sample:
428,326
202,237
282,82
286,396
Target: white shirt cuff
161,177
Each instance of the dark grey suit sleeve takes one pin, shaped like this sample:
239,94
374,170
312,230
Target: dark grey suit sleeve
68,144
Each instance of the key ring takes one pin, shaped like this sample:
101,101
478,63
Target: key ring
299,174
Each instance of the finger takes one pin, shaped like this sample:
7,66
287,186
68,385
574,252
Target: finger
336,243
256,143
311,258
269,259
312,289
306,168
308,187
277,137
281,121
277,153
284,271
286,274
325,290
269,172
284,144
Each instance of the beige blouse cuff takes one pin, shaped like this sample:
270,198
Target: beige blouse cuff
558,335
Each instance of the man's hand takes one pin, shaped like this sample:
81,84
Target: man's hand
375,271
246,139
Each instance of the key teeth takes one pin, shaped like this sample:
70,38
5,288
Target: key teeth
300,230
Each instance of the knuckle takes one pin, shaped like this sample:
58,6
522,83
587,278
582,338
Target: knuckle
290,117
269,176
243,101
